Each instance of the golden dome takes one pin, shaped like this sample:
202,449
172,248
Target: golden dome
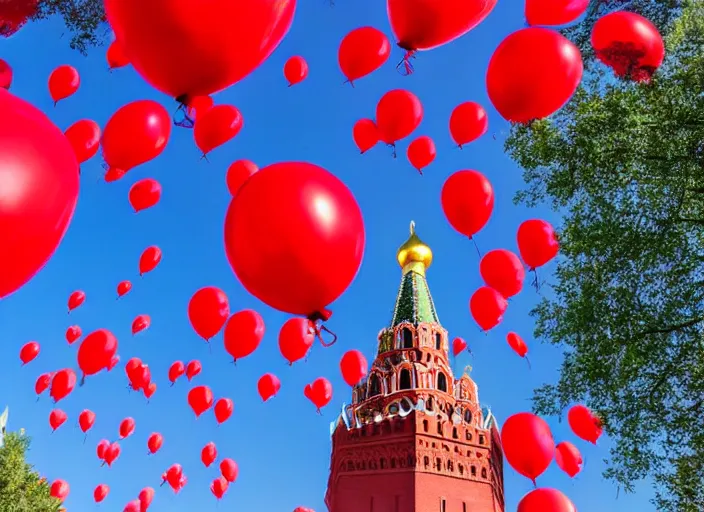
414,255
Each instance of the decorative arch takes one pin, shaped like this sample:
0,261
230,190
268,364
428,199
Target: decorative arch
375,386
438,340
442,382
405,379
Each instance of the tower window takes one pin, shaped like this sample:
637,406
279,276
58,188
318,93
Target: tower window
429,404
438,341
407,338
464,507
468,435
425,425
482,439
468,416
439,428
426,462
474,471
374,386
405,379
483,472
443,505
454,433
442,382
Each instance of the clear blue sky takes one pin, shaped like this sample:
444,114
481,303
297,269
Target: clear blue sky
282,447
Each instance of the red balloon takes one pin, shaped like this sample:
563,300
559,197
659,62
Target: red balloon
59,490
421,152
39,173
398,114
229,470
150,390
13,15
116,56
29,352
192,369
154,442
136,133
458,346
468,122
243,333
554,12
294,237
62,384
532,74
113,174
133,506
353,366
113,362
63,82
427,24
629,44
208,454
198,105
365,134
112,452
86,420
219,487
76,299
268,385
43,382
208,310
84,136
295,338
216,127
57,417
502,271
295,70
101,492
584,423
198,48
5,75
176,370
517,344
238,173
146,496
126,428
362,51
545,500
102,448
138,373
149,259
319,392
96,351
468,200
140,323
487,307
568,458
145,194
303,509
223,410
528,444
123,288
200,399
174,476
537,243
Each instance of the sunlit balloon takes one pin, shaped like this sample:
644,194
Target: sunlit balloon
63,82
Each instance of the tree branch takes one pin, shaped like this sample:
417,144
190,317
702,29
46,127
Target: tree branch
672,328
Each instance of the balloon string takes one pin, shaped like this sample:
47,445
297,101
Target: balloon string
479,253
181,117
405,67
528,361
348,82
536,281
393,147
319,329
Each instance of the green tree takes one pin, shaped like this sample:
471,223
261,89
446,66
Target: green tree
84,19
624,163
21,488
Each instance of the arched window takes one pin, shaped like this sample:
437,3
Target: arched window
468,416
474,471
483,472
407,338
425,425
439,427
405,379
374,386
482,439
429,404
442,382
438,341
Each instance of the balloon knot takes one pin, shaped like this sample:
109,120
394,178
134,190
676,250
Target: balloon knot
348,82
317,318
181,117
405,67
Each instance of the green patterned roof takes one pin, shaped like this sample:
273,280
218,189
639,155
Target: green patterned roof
414,303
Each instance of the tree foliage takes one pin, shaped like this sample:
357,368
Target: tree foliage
84,19
624,163
21,488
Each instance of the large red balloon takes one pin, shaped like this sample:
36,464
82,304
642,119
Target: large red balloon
468,122
239,172
96,351
38,190
217,126
545,500
629,44
294,236
353,366
62,383
208,310
136,133
144,194
537,242
84,136
5,75
568,458
268,385
200,399
63,82
421,152
427,24
554,12
528,444
243,333
295,338
398,113
502,271
584,423
149,259
487,307
532,74
365,134
116,56
362,51
295,70
467,199
191,47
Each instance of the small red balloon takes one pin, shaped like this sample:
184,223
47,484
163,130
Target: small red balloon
568,458
140,323
219,487
198,105
86,420
63,82
116,56
353,366
200,399
176,370
528,444
29,352
517,344
217,126
268,386
238,173
223,410
545,500
303,509
229,470
102,448
502,271
123,287
365,135
421,152
112,452
468,122
84,136
150,390
146,496
458,346
101,492
126,428
76,299
96,351
59,490
133,506
468,200
295,70
584,423
487,307
62,384
537,243
208,454
43,382
295,339
193,368
398,114
243,333
319,392
154,442
5,75
57,417
362,51
208,310
149,259
554,12
145,194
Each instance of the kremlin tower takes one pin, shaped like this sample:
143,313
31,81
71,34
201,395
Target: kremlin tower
414,438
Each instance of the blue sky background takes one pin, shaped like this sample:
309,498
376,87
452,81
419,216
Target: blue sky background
282,447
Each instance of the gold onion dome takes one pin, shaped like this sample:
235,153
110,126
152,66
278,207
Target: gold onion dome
414,255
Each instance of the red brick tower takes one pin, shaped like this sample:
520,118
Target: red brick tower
414,438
